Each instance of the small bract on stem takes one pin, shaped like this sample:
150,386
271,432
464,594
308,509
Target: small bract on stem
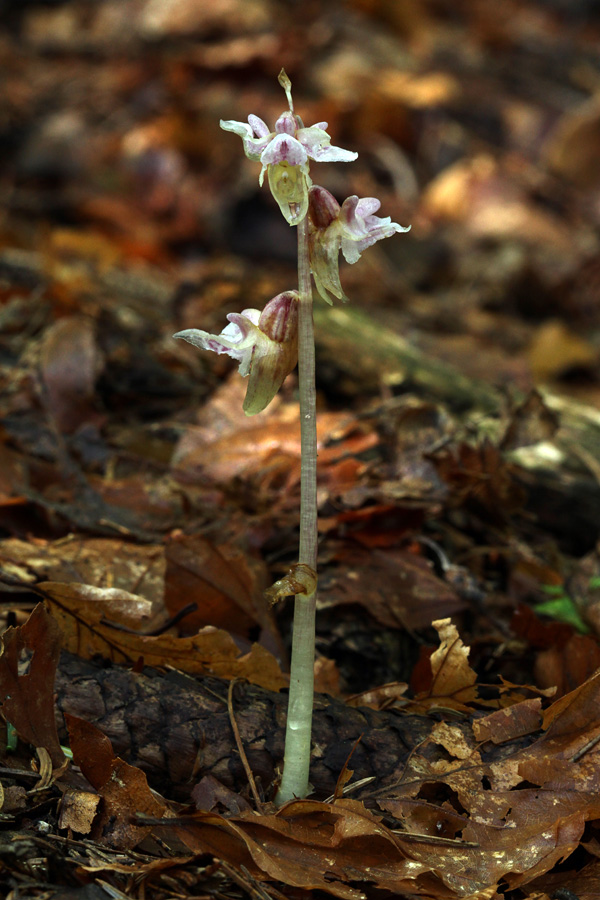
267,346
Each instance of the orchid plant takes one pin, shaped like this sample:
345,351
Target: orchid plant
268,345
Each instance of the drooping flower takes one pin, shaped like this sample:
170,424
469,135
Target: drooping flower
351,228
285,153
264,343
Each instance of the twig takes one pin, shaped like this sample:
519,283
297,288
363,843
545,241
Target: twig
240,747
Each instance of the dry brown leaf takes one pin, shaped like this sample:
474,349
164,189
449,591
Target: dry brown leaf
453,684
577,712
519,839
492,204
568,665
398,588
311,845
225,450
574,145
83,612
419,91
583,884
519,834
381,697
172,18
227,585
555,349
123,788
530,422
479,476
209,793
78,810
507,724
101,562
27,668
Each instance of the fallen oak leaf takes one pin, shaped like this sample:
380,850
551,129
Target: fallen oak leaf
227,584
567,756
576,711
530,840
397,588
312,845
81,610
520,833
27,669
507,724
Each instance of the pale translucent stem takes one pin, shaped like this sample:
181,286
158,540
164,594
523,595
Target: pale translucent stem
294,782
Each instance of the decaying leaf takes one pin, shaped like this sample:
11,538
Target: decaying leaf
481,478
506,833
27,667
78,810
510,723
70,362
123,788
397,588
226,584
335,848
100,562
531,422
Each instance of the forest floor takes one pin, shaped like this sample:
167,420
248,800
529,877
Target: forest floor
142,515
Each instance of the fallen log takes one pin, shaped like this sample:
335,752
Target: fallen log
177,729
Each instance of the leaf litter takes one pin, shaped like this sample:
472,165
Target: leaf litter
150,520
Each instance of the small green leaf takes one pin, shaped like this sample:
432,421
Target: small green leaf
12,738
555,590
563,609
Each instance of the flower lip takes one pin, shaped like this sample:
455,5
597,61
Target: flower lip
239,324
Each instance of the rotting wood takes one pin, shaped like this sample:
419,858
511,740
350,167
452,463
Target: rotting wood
177,729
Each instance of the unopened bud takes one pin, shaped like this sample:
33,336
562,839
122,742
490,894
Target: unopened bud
323,208
286,84
279,318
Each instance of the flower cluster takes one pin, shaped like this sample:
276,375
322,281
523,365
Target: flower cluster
265,344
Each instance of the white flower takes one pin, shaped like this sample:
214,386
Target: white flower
285,152
351,228
264,343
